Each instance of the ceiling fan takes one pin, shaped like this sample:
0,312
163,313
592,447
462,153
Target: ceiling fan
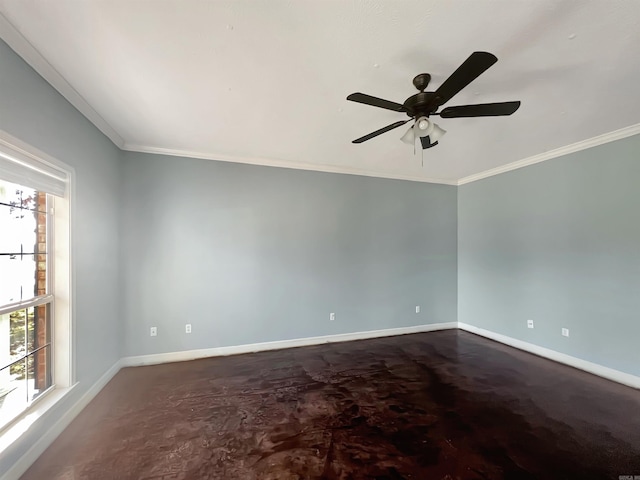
422,105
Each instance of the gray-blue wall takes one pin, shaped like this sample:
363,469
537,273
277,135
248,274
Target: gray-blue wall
559,243
31,110
252,254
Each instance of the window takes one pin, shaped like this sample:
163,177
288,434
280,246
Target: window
25,299
35,284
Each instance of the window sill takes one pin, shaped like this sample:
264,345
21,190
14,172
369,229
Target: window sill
20,426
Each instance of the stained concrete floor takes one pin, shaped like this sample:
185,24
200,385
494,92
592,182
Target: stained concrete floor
441,405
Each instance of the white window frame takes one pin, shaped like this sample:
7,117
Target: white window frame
61,288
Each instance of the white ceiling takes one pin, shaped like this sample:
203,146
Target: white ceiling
265,81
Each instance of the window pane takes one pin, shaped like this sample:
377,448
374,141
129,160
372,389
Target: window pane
23,243
19,230
30,333
41,250
18,277
42,325
13,392
25,373
38,373
21,197
22,332
17,346
5,340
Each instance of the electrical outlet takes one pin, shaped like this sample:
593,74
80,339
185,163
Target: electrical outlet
187,328
529,323
332,316
153,331
417,308
565,332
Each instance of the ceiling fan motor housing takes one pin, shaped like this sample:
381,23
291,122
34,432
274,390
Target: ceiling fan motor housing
421,104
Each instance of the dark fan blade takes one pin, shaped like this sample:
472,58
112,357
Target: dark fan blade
466,73
381,131
376,102
481,110
426,142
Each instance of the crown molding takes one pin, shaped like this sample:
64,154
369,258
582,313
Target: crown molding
19,44
282,164
558,152
12,36
541,157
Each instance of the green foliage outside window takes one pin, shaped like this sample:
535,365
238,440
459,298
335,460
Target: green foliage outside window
20,344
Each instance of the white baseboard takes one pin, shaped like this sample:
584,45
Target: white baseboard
277,345
593,368
23,464
50,435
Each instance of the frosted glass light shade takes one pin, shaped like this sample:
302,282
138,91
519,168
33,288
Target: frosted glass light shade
437,133
409,137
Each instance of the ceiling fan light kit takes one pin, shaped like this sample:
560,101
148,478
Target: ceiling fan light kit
422,105
423,129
